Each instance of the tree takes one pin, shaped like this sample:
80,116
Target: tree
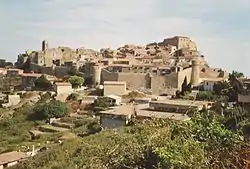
76,81
53,109
73,70
219,87
42,83
178,94
236,74
189,87
45,97
235,83
184,85
27,66
93,127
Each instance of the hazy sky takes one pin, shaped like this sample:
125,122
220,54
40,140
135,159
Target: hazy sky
221,28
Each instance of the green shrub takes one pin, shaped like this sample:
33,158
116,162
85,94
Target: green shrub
205,95
73,96
52,109
76,81
43,83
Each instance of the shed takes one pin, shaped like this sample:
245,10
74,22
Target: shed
117,99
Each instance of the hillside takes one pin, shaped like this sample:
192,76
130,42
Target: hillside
200,143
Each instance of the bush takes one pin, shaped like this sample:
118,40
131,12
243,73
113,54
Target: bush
93,127
15,130
200,143
181,154
45,97
42,83
76,81
102,102
73,96
205,95
53,109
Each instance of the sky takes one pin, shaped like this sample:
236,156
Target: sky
221,28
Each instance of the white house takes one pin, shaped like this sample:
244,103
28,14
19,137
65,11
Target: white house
62,88
208,84
116,117
13,100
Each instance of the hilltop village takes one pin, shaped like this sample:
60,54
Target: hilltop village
156,68
112,87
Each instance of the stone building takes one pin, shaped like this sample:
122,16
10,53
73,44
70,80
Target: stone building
12,100
162,84
14,72
28,80
114,88
181,42
133,80
62,88
45,45
195,75
96,74
208,84
158,79
120,116
178,106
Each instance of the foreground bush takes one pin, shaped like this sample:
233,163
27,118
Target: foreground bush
197,144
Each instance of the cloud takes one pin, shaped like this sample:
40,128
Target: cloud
218,27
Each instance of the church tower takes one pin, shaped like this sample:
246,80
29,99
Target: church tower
96,70
45,45
195,75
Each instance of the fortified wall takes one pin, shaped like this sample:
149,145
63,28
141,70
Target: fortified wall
174,80
58,71
133,80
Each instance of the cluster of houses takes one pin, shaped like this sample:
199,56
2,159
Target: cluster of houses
149,106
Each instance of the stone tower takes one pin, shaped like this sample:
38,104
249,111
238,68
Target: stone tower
195,75
45,45
96,72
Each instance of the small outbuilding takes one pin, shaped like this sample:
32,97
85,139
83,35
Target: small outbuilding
62,88
116,100
114,88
